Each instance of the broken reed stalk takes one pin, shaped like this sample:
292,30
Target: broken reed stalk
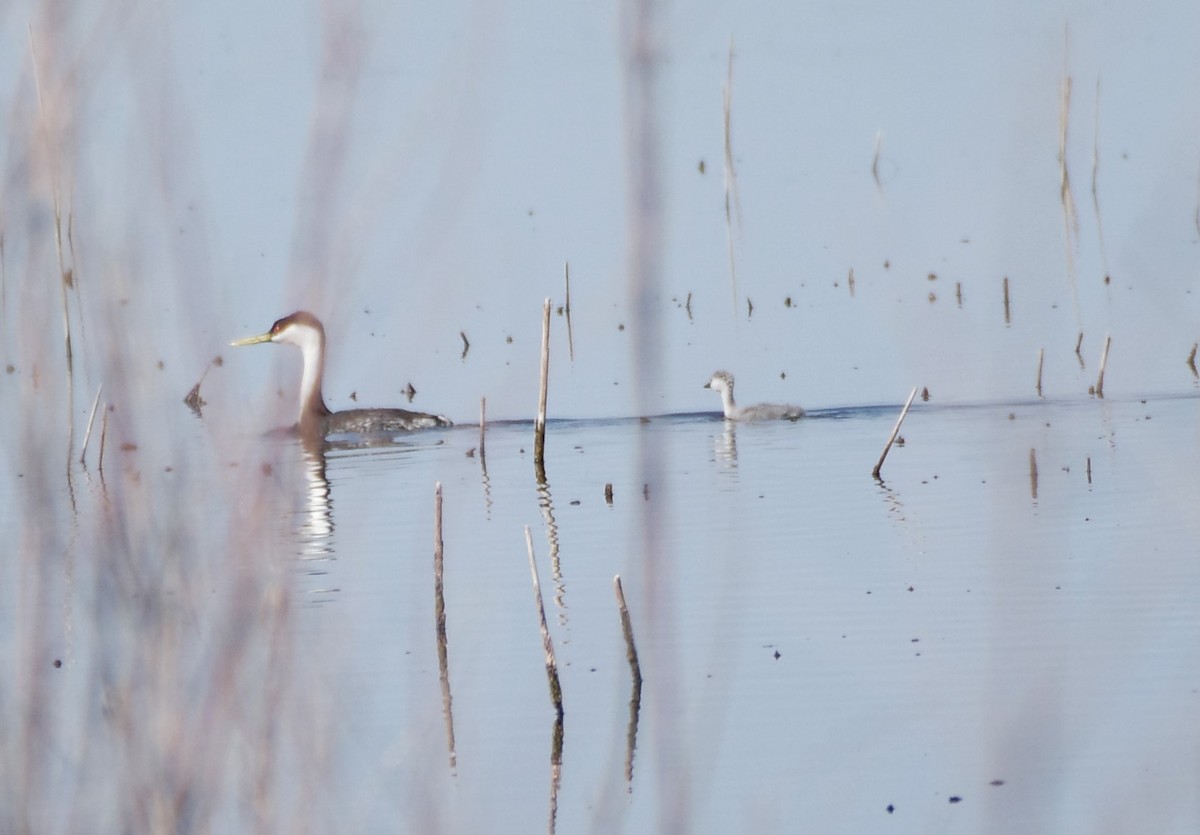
1007,310
547,644
895,431
1041,360
539,429
1191,360
1103,362
91,419
567,310
627,630
439,609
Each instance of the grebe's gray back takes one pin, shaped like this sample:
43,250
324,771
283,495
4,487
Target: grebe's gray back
305,331
722,381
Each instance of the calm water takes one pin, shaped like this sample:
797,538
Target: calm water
816,646
220,632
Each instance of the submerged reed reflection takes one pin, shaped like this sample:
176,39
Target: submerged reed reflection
546,504
439,609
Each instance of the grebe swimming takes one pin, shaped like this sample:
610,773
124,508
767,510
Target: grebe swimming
722,381
305,331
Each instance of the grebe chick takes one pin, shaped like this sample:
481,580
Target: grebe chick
722,381
305,331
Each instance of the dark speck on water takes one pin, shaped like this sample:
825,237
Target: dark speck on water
955,799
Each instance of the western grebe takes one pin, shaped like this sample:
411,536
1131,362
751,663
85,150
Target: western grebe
305,331
722,381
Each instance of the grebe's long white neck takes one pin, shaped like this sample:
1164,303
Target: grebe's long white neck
722,381
305,331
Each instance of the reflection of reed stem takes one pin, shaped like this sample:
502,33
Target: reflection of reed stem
539,434
635,699
546,503
439,604
895,431
547,644
1033,473
627,629
556,748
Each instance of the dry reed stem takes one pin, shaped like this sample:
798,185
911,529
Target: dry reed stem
547,644
567,311
1070,220
103,435
1095,180
1041,360
1191,358
875,160
1103,362
733,206
482,426
895,431
539,430
1007,307
91,419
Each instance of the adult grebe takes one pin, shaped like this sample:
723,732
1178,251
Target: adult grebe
316,420
722,381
